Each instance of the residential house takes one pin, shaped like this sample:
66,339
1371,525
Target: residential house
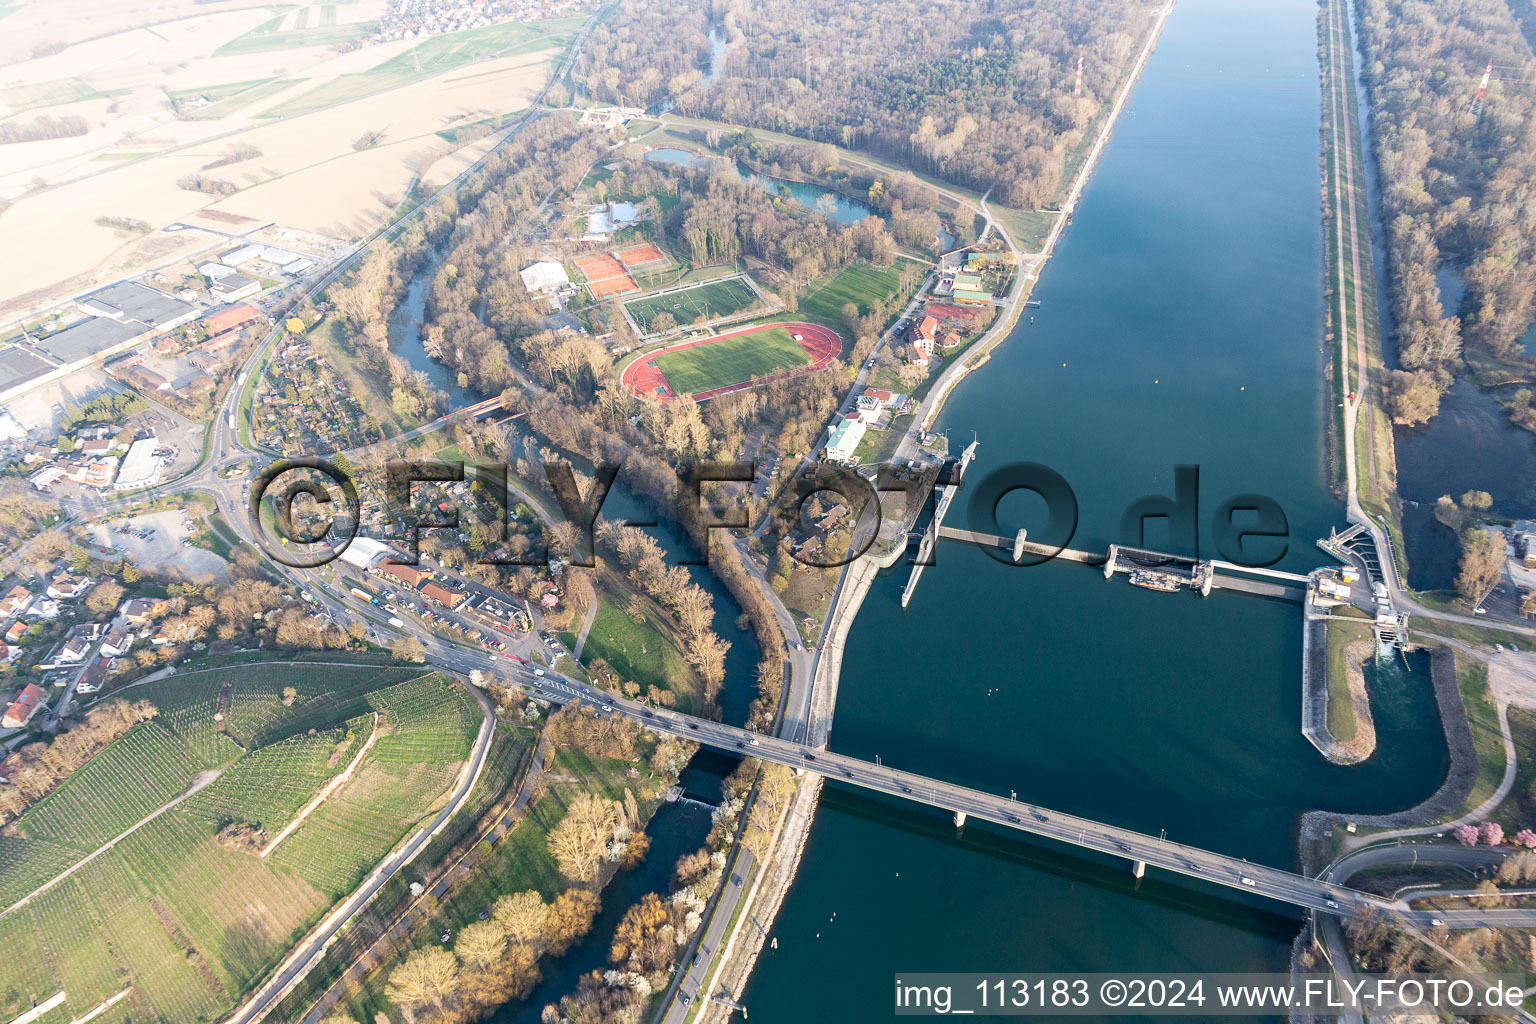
72,651
136,613
14,601
16,632
43,608
66,587
117,643
27,703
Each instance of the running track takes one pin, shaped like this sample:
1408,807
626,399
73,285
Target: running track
645,380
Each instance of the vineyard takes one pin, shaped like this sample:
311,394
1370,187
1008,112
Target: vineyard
425,722
431,729
257,716
268,786
132,777
26,864
190,922
187,706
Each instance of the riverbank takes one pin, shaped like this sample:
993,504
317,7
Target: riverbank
789,845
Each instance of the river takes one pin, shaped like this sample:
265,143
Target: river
1181,323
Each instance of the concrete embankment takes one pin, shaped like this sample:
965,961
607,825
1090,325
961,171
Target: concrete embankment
1317,691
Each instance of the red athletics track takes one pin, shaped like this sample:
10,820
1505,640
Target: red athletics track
646,380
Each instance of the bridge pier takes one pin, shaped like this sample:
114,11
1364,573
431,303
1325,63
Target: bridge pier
1139,869
959,819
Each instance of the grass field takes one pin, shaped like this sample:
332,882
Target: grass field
731,361
224,100
433,56
268,36
713,299
18,98
861,284
637,651
189,923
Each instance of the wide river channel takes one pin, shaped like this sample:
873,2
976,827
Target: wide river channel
1181,323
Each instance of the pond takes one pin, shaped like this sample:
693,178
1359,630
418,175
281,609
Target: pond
838,207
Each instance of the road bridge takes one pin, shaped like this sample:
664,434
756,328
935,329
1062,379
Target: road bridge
965,803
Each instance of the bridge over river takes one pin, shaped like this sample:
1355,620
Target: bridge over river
966,803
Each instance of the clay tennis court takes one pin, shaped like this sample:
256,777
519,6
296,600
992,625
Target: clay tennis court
645,379
641,255
605,275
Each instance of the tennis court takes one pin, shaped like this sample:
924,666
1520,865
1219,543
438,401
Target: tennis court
641,257
605,275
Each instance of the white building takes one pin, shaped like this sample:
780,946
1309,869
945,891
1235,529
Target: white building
364,551
544,276
141,466
844,440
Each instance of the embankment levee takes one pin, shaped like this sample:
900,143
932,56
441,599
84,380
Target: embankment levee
789,845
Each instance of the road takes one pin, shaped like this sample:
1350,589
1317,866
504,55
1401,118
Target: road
733,888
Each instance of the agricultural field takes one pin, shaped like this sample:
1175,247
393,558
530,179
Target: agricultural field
711,299
26,864
224,100
432,56
731,361
190,922
394,789
271,35
58,92
268,786
861,284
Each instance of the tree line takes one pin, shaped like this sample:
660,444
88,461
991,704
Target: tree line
1456,186
977,92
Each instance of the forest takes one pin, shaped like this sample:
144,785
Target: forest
978,92
1456,186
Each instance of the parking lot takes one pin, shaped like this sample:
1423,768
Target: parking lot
155,541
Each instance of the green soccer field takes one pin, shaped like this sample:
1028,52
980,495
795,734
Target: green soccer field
731,361
713,298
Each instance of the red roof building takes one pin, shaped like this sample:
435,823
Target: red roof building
440,594
407,574
219,342
229,319
26,704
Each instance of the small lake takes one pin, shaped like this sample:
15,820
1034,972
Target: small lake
836,206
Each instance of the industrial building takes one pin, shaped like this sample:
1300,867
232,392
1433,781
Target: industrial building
141,466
